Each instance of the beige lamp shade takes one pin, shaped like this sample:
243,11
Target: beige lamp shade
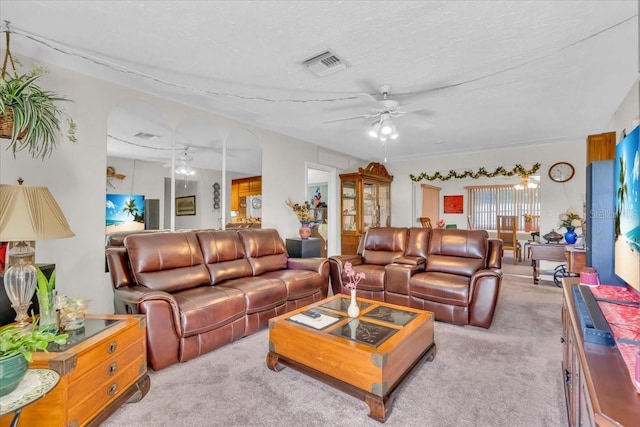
30,213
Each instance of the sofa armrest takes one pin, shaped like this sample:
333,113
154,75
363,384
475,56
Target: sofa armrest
164,329
311,264
494,259
483,293
397,276
341,260
336,266
137,299
410,260
318,265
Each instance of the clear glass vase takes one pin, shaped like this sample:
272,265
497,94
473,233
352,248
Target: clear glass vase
48,315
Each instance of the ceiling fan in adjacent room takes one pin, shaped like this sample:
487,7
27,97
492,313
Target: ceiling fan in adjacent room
383,110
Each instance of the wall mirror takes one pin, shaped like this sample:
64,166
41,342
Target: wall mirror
144,152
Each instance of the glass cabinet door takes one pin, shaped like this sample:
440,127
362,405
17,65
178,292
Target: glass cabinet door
369,205
349,206
384,211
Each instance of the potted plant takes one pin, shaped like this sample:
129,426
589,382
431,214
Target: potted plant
16,351
29,115
305,216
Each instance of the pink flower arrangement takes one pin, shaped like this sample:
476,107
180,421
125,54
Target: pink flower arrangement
354,278
440,223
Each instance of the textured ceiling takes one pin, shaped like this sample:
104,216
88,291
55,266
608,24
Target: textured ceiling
480,74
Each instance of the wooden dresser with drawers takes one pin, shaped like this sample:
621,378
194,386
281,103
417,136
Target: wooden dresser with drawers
101,366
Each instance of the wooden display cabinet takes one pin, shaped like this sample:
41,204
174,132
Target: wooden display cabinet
365,202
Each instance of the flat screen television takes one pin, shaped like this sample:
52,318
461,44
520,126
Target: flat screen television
627,210
125,212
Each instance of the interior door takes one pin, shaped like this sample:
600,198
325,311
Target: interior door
431,202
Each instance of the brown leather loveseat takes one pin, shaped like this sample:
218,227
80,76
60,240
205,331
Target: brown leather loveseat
454,273
201,290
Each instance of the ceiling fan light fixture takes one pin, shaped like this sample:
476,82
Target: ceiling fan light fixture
394,134
525,182
386,127
374,130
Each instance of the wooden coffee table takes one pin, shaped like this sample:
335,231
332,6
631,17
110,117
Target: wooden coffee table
367,357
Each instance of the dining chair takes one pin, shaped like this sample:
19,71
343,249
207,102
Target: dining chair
425,221
507,228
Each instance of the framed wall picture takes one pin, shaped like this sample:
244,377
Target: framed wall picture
186,205
125,212
453,204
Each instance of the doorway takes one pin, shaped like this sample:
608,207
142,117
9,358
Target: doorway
321,181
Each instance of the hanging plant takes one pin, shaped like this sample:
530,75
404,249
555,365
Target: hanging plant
518,170
29,116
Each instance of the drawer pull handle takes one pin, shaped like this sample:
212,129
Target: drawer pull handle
112,347
113,368
113,389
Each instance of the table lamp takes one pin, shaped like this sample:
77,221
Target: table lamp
27,214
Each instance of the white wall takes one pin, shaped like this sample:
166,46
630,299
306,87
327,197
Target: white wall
555,198
75,175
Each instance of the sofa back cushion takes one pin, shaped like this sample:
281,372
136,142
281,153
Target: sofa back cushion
418,242
383,245
224,255
264,249
167,261
461,252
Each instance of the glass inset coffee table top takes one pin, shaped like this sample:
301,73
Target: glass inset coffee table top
364,332
342,304
366,329
91,327
391,315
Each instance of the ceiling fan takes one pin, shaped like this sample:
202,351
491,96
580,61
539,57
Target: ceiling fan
383,107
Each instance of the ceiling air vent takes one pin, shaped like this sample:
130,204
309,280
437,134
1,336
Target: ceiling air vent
325,63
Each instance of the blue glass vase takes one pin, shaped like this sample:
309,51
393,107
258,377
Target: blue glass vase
570,236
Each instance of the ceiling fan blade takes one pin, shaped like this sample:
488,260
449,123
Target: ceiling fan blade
416,106
362,116
369,99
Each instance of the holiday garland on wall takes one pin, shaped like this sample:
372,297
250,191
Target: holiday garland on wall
517,170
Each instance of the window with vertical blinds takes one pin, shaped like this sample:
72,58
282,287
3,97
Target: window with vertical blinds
487,202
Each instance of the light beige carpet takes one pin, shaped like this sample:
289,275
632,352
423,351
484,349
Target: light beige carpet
508,375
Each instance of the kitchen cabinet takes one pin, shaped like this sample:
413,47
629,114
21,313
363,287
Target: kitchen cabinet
365,202
240,189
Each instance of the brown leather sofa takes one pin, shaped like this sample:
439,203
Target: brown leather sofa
456,274
201,290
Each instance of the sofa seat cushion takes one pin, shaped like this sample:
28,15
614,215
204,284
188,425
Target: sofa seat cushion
374,277
260,293
444,288
299,283
206,308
